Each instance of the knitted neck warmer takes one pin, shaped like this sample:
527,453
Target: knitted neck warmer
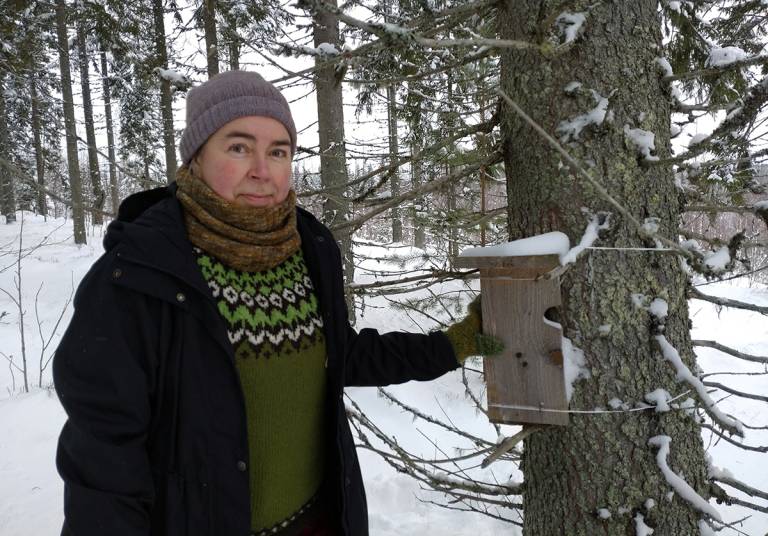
246,238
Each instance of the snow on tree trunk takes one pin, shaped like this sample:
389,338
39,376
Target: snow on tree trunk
602,461
73,163
330,124
166,100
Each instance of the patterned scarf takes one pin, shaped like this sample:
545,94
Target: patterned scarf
246,238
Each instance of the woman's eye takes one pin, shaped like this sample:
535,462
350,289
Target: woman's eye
279,153
237,148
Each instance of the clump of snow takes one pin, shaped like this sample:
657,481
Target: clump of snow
670,495
603,513
643,140
650,226
675,129
572,87
571,128
574,366
659,309
659,398
733,113
615,403
760,205
641,529
716,472
678,483
720,57
697,139
554,243
717,261
674,5
570,24
684,374
649,503
665,66
624,510
591,234
604,330
328,49
704,528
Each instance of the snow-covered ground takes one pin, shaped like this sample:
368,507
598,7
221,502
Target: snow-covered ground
30,490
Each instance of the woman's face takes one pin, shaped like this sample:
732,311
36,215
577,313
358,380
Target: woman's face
248,161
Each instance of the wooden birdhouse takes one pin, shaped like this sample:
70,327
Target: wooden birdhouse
525,383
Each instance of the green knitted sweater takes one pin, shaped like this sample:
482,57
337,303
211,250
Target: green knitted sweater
275,327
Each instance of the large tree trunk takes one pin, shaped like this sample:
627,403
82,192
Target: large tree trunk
602,461
90,135
7,196
166,100
211,41
333,160
113,188
73,164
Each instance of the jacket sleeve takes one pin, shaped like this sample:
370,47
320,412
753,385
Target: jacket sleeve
102,373
376,359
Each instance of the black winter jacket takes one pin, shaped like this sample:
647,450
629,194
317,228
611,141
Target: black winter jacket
156,442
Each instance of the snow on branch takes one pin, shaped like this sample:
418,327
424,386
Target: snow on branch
597,223
677,482
684,374
571,128
393,33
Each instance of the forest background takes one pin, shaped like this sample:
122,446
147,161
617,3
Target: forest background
426,127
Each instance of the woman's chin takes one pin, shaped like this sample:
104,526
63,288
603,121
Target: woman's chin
255,200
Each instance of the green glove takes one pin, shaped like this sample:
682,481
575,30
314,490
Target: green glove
467,337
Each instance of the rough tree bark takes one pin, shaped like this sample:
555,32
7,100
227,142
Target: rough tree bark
211,41
97,202
602,461
330,124
7,197
113,187
73,163
166,100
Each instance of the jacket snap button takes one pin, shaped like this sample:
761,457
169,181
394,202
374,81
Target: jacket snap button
180,297
117,272
241,466
320,239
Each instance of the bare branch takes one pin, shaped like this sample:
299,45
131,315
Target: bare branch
728,350
726,302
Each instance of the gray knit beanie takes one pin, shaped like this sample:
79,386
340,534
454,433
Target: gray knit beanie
228,96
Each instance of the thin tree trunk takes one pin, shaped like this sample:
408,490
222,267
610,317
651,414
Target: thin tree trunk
211,41
7,196
73,163
394,179
450,189
419,238
113,188
90,135
42,205
602,461
166,100
333,161
234,54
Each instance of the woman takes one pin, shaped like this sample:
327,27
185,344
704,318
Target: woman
203,369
